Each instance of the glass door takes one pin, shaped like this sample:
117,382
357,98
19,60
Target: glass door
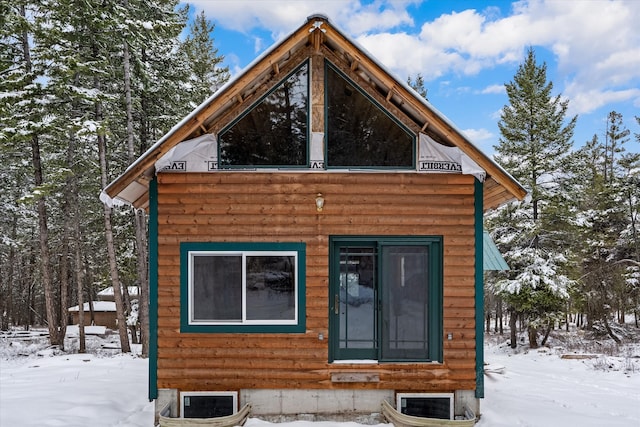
354,298
385,298
405,302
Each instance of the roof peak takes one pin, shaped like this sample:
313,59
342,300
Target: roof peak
317,16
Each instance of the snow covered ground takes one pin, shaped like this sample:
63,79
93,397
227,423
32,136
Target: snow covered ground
39,387
539,388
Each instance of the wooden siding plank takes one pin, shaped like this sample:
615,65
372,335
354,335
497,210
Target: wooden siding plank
267,207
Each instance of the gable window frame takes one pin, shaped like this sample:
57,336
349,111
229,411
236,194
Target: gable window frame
328,65
380,351
190,250
223,163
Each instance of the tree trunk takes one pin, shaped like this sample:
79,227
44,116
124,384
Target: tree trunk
113,271
71,222
609,331
43,230
80,281
140,222
512,326
79,270
488,322
143,274
64,272
45,259
115,282
8,314
546,335
498,322
533,336
111,252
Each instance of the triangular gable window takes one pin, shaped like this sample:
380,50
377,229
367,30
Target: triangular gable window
274,131
359,132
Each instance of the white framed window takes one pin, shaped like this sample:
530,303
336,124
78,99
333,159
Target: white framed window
242,287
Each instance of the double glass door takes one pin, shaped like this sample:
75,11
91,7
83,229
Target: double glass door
380,300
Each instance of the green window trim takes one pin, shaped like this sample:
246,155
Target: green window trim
296,250
435,297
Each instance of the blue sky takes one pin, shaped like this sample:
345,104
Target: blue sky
467,50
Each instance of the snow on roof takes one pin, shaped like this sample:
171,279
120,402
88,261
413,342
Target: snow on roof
133,290
97,306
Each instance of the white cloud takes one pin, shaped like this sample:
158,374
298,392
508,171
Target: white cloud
478,135
496,115
584,100
280,17
408,55
258,44
596,43
493,89
377,16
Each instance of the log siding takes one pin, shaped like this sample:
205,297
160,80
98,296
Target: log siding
280,207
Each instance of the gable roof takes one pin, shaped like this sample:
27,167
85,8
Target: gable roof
319,36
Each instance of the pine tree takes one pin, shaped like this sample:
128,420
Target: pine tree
616,136
418,85
153,75
63,92
534,147
203,60
28,124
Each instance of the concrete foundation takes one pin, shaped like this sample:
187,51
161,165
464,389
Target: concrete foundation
362,406
295,402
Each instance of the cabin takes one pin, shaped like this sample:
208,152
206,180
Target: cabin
316,241
104,314
104,309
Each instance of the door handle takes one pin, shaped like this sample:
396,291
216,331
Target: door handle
336,304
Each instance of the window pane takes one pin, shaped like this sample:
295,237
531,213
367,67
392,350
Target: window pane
217,288
357,298
271,291
274,132
406,288
359,133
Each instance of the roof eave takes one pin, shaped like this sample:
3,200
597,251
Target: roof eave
131,187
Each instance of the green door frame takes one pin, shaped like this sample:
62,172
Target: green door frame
435,293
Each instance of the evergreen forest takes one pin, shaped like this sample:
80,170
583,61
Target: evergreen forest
88,86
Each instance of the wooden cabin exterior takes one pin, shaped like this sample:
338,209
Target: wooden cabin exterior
327,278
104,314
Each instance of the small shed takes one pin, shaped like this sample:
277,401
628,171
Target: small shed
104,313
316,240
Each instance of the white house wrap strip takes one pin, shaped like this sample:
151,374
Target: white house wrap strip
194,155
438,158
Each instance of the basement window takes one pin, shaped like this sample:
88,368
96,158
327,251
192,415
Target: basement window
426,405
243,287
208,404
